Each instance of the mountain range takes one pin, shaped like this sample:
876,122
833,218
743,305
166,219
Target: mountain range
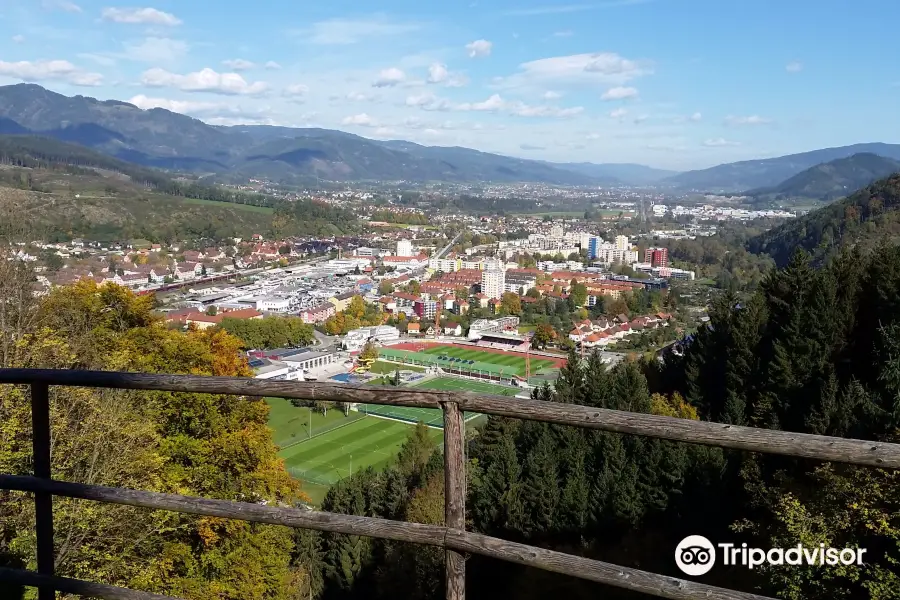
769,172
164,139
834,179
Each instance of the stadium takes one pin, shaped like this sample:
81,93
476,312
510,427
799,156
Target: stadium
484,363
321,449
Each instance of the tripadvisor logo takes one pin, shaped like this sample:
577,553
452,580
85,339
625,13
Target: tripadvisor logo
695,555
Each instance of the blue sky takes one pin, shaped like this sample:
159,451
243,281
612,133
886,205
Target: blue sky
671,83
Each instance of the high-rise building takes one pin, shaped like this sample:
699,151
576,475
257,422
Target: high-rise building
404,248
493,282
622,243
657,257
593,247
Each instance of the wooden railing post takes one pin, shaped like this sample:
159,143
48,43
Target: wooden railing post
43,501
454,496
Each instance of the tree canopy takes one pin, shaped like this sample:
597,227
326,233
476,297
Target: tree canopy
197,444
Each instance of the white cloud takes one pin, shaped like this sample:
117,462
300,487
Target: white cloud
575,70
341,31
619,93
239,64
140,16
207,80
273,66
18,39
361,120
41,70
63,5
719,142
750,120
180,106
618,113
531,147
389,78
793,67
551,95
696,117
155,50
384,132
214,113
429,102
564,33
438,73
524,110
495,103
296,92
640,119
358,97
479,48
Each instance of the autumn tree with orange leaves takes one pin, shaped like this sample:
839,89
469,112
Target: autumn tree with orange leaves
207,445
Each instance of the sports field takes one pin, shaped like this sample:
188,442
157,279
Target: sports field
321,450
291,424
434,416
514,361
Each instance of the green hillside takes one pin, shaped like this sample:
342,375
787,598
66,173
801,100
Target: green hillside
70,191
863,219
832,180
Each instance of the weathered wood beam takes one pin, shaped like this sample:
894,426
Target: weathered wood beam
75,586
448,538
454,497
850,451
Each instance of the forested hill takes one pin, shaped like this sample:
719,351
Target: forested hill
862,219
835,179
31,156
47,153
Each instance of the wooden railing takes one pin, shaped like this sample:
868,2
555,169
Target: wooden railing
452,536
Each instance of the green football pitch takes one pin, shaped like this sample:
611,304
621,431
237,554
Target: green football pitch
434,416
335,444
515,361
321,450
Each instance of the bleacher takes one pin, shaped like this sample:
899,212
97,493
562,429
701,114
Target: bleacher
504,341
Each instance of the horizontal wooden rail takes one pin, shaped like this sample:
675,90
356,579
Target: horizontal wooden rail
850,451
75,586
434,535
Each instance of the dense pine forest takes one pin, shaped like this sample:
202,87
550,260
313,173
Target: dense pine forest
813,351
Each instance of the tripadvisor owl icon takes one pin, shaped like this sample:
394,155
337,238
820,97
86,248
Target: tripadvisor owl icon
695,555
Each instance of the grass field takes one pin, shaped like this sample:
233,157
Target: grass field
383,366
515,361
434,416
291,424
338,444
361,443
